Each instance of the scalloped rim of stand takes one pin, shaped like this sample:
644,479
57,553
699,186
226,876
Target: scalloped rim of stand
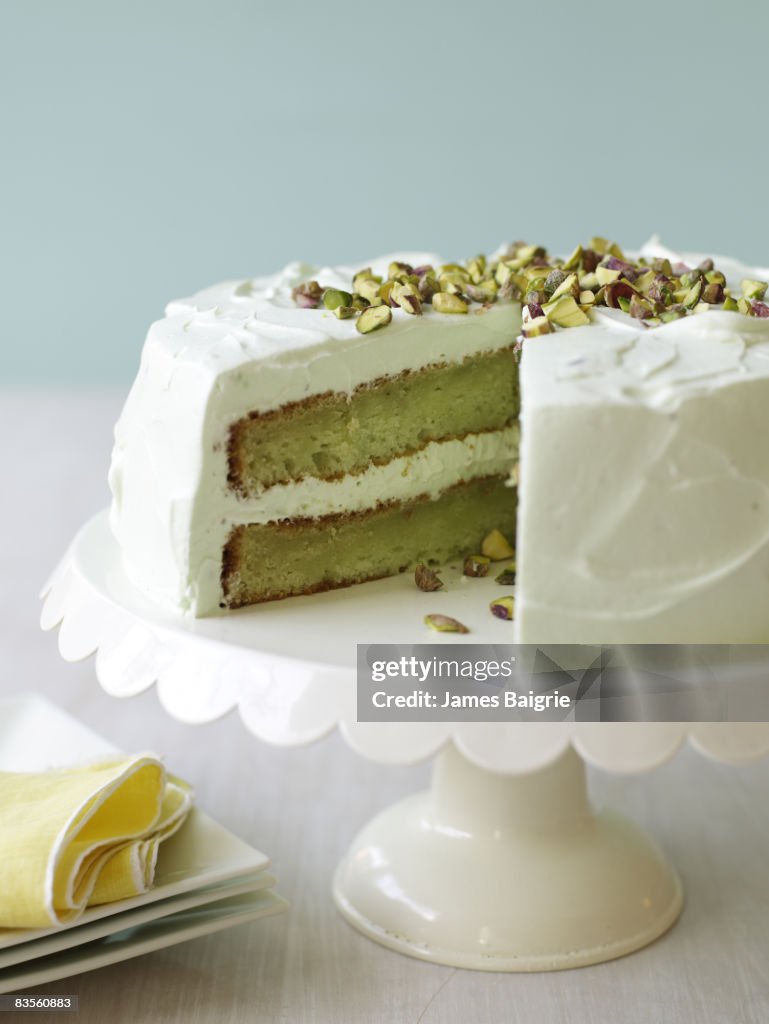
204,668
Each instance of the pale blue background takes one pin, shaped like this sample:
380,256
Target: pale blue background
151,148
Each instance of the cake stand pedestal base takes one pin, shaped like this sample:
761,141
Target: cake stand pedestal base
506,873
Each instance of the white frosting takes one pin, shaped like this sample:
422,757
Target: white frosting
644,480
644,476
241,346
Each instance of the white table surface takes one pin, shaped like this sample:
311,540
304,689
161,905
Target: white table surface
303,805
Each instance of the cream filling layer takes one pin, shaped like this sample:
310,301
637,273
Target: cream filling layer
429,471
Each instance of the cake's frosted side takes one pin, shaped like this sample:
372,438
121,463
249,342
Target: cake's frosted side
644,485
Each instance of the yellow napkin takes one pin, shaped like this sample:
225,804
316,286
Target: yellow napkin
75,837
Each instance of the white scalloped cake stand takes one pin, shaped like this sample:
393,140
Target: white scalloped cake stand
502,864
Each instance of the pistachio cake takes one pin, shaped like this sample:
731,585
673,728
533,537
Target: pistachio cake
325,426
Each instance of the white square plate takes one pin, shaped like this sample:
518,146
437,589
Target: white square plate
207,878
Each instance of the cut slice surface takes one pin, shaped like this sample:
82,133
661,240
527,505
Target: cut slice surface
263,562
334,434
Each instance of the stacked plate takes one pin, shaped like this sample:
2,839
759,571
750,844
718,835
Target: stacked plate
207,879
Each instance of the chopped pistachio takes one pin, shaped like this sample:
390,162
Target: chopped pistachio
476,565
307,295
427,579
496,546
590,281
503,607
397,268
476,268
333,297
445,624
385,291
565,312
674,313
427,287
713,292
368,288
644,281
606,275
364,275
744,306
639,308
502,274
730,304
507,577
407,297
373,318
526,253
586,298
478,294
573,262
445,303
553,280
538,326
618,290
692,296
345,312
599,245
753,289
569,286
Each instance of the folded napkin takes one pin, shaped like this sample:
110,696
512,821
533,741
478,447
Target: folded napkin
82,836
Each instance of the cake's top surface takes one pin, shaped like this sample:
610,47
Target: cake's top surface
236,322
611,354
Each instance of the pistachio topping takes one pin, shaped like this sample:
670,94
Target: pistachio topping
427,579
445,624
753,289
503,607
373,318
447,302
333,298
555,293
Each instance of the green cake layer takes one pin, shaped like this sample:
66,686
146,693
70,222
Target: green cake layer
302,556
330,435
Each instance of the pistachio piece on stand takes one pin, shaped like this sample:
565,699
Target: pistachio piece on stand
426,578
445,624
507,577
503,607
496,546
476,565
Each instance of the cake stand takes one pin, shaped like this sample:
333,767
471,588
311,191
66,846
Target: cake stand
502,864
